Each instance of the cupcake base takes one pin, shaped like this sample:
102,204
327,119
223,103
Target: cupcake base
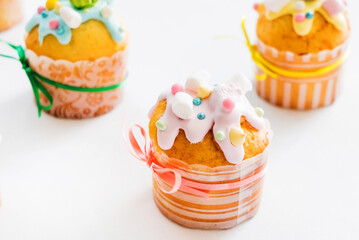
301,93
103,72
223,209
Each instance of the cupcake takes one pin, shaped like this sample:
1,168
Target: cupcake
10,13
208,153
80,46
300,50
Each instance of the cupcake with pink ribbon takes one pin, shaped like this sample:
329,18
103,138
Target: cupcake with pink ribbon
208,152
300,51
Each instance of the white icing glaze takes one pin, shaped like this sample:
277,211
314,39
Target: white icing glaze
216,118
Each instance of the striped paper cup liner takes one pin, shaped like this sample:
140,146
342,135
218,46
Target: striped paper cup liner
300,93
223,209
103,72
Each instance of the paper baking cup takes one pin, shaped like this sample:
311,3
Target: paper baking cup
300,93
103,72
223,209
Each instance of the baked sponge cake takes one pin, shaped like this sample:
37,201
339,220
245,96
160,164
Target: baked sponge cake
80,43
10,13
302,36
210,134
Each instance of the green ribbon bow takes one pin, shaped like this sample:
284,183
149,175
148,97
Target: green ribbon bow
36,79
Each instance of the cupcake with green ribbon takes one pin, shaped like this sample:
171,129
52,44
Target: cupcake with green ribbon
75,57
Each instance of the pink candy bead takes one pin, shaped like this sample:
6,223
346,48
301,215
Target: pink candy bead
300,17
176,88
256,6
40,9
228,104
334,7
54,24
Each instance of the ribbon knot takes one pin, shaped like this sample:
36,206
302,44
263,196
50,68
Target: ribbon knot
36,85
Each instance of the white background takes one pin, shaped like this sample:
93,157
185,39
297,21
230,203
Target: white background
64,179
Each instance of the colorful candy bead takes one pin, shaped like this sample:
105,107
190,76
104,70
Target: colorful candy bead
58,7
197,79
299,6
182,105
334,7
204,91
259,111
220,136
107,11
201,116
54,24
60,30
300,17
309,15
197,101
256,6
40,9
176,88
237,136
161,125
242,81
72,18
44,14
228,104
50,4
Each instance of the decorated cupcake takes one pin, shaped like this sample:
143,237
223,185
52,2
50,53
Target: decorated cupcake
10,13
300,50
77,50
208,152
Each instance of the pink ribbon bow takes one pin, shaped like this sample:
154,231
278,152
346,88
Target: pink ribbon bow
174,178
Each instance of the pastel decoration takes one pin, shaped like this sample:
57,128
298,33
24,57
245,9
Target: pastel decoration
299,5
54,24
182,105
228,104
50,4
309,15
161,125
275,5
237,136
220,136
300,17
244,83
58,6
197,79
71,17
83,3
197,101
107,11
60,30
44,14
259,111
40,9
334,7
256,6
176,88
204,91
201,116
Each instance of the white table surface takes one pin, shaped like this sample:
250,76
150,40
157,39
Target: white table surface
65,179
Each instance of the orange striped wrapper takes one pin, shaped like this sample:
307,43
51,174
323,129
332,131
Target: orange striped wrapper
223,209
300,93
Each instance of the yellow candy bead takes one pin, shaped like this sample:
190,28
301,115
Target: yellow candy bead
51,4
204,92
237,136
58,6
